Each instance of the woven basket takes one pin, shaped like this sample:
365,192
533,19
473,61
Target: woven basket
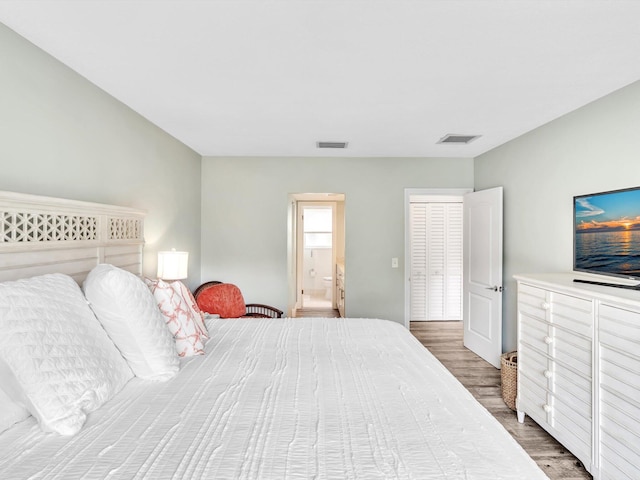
509,377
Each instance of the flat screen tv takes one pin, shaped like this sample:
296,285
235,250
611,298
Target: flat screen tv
606,236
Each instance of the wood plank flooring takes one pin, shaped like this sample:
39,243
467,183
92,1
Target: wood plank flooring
317,312
444,340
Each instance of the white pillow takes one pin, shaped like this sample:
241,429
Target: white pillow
183,322
57,359
11,412
129,313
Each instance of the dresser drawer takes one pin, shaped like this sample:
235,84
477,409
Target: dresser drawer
620,372
534,365
572,350
615,464
573,429
533,300
620,328
567,417
533,399
535,333
572,313
530,294
620,416
619,438
619,420
533,312
575,391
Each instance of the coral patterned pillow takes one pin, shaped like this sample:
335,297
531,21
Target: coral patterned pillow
198,316
186,327
224,299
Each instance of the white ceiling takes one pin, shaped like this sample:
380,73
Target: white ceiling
270,78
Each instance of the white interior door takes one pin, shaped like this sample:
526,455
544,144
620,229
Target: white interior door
482,274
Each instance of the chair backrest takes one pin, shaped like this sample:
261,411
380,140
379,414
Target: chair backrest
224,299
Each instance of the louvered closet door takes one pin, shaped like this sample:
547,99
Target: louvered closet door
418,261
436,261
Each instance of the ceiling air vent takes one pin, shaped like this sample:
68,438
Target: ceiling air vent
332,144
453,138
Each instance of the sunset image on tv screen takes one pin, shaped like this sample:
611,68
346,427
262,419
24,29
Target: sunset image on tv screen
607,233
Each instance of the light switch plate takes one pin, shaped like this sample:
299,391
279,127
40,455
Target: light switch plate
394,262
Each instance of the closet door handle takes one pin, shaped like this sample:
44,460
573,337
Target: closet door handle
547,339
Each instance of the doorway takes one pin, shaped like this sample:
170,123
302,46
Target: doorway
316,225
316,247
433,254
481,268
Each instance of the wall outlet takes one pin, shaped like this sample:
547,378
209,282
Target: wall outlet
394,262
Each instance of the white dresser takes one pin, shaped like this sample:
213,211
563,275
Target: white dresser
579,369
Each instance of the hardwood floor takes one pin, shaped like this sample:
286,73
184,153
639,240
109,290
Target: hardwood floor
317,312
444,340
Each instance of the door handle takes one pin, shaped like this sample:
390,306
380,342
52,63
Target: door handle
495,288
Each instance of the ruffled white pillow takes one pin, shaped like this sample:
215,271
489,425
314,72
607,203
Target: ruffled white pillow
184,322
56,359
129,313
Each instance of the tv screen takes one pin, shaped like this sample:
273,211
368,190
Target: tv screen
607,233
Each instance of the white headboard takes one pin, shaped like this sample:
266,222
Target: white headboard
41,235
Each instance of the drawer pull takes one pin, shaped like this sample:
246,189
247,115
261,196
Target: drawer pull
545,305
547,339
548,373
546,408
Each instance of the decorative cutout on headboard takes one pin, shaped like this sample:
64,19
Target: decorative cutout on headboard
125,229
46,227
45,235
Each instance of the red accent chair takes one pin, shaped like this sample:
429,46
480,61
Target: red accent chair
226,300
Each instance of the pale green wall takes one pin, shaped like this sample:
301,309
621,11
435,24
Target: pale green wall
593,149
62,136
244,221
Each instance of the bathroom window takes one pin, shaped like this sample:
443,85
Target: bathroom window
318,226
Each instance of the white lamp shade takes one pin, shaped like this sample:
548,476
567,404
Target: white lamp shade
173,265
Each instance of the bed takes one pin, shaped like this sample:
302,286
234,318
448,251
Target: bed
269,398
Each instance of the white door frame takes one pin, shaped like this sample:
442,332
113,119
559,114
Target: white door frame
300,206
292,232
408,193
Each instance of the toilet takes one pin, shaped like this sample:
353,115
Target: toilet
327,283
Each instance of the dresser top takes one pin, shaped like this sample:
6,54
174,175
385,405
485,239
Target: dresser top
566,283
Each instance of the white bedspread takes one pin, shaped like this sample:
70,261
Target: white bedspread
284,399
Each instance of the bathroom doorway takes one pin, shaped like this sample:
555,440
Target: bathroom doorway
316,248
316,220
